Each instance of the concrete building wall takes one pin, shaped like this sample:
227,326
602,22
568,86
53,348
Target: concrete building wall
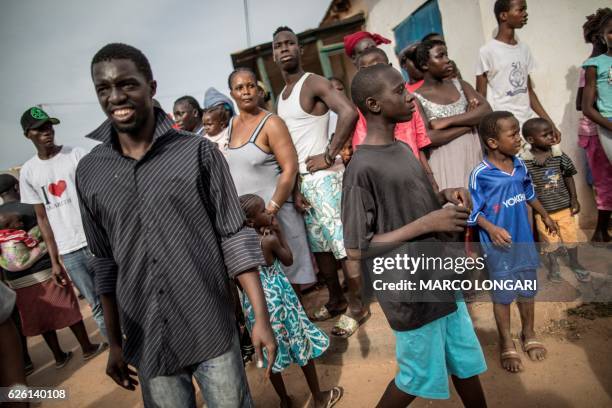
554,34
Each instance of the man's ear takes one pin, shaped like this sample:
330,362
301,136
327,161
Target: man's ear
249,223
492,143
503,16
372,105
529,139
153,87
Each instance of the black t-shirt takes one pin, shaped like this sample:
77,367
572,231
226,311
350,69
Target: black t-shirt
28,215
385,188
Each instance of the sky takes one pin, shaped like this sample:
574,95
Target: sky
47,46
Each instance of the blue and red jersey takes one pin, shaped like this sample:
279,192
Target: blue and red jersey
502,199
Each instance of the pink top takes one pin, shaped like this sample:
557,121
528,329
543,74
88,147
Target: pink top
413,87
586,127
413,132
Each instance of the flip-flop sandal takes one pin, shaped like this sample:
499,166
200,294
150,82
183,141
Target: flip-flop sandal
325,314
335,394
101,347
582,275
529,345
510,355
63,363
348,325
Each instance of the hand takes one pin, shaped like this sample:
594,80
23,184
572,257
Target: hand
271,209
551,226
119,371
316,163
499,236
473,104
275,226
437,124
449,219
59,274
261,337
457,196
575,205
300,203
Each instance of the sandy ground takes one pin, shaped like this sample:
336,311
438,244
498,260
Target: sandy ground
577,373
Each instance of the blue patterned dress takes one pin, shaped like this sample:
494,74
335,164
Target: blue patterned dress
297,338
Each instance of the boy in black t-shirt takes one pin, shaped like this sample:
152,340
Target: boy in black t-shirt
554,184
387,198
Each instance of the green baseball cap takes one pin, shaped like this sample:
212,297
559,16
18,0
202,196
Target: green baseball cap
34,118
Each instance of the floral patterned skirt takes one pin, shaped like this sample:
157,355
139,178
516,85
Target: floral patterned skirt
298,339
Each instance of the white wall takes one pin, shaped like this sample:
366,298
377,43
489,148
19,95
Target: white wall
554,34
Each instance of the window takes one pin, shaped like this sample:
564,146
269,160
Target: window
426,19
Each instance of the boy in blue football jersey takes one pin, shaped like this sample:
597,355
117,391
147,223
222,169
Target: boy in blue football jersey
501,188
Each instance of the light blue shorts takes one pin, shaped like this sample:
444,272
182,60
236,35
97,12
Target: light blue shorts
428,355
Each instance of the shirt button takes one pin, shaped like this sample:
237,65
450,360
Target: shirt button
154,260
161,292
165,321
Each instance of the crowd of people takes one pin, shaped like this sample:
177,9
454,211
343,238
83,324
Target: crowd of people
191,235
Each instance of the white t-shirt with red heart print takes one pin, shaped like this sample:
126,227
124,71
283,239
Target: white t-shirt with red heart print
51,182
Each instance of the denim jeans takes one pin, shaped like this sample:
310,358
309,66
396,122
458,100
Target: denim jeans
78,266
222,381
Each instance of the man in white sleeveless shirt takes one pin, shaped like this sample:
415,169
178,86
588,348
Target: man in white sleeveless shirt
304,105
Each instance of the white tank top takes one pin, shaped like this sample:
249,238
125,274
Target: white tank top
308,132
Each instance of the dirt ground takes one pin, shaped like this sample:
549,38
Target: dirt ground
577,372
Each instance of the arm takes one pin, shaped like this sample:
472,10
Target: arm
551,226
589,96
481,84
274,247
537,107
571,187
499,236
579,99
347,118
49,238
470,117
261,335
283,149
427,168
106,270
441,137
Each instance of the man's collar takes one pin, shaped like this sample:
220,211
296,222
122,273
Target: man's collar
105,132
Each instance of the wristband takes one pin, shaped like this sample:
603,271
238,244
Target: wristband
328,159
275,205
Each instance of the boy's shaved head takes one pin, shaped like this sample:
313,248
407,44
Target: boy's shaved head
368,83
533,125
489,125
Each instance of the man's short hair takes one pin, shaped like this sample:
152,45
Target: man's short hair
532,126
115,51
422,52
430,36
367,83
501,6
191,101
489,125
281,29
7,181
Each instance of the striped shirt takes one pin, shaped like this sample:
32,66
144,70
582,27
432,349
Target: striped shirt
167,232
549,181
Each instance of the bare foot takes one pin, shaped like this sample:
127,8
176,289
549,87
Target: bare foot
327,399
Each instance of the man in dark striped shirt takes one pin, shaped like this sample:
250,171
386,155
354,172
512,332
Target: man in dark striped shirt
162,218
